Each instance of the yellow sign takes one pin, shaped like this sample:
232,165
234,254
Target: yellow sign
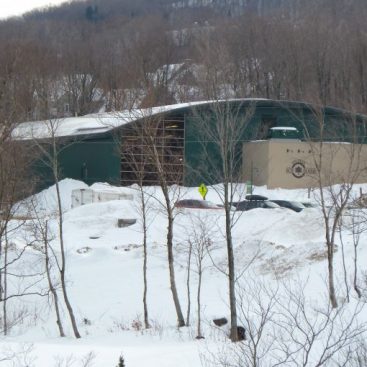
203,190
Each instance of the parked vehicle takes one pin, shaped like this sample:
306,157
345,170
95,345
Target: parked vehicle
196,204
255,197
308,204
293,205
253,204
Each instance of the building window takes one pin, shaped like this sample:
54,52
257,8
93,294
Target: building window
267,122
161,140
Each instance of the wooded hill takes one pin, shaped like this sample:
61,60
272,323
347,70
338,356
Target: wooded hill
86,56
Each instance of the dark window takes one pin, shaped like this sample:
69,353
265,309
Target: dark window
267,122
157,146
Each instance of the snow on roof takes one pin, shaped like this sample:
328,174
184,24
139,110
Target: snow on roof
94,123
284,128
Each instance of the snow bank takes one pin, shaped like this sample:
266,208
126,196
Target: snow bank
45,202
105,281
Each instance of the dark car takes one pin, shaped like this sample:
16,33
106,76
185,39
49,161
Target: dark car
196,204
293,205
255,197
308,204
253,204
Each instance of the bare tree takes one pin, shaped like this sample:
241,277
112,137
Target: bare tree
189,260
43,237
154,141
357,229
50,150
257,312
334,185
222,132
22,355
15,184
138,164
145,209
319,333
284,327
354,225
199,244
345,273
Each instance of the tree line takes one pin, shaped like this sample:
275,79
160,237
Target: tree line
59,66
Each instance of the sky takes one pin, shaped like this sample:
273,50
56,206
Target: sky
17,7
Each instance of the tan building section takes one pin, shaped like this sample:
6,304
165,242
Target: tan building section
294,164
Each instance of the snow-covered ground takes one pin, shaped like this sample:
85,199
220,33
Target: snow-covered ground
105,280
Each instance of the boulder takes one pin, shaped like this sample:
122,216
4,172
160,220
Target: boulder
121,223
221,321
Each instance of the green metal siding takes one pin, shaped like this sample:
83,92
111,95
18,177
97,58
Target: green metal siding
202,158
92,160
99,157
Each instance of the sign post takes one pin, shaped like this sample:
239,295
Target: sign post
203,190
249,187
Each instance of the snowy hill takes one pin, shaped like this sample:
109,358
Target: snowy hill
275,250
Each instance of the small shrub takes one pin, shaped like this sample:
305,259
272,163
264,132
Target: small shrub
137,325
121,361
87,321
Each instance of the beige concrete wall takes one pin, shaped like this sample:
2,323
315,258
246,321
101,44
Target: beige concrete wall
293,164
255,161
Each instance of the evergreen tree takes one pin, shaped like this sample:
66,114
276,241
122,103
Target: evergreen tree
91,13
121,362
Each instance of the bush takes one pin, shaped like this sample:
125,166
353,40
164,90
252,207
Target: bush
121,362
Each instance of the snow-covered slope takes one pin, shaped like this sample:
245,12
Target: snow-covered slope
105,280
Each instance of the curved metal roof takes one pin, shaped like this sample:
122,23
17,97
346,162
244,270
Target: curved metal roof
103,122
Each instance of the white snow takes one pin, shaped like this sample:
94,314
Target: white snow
93,123
104,273
286,128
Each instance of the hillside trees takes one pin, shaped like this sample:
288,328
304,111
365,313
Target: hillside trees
147,53
80,74
287,52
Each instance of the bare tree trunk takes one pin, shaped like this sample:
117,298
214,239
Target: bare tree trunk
228,164
355,284
180,318
51,286
344,265
356,237
227,131
329,232
199,334
170,218
5,313
146,317
1,273
330,257
62,248
231,268
188,285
